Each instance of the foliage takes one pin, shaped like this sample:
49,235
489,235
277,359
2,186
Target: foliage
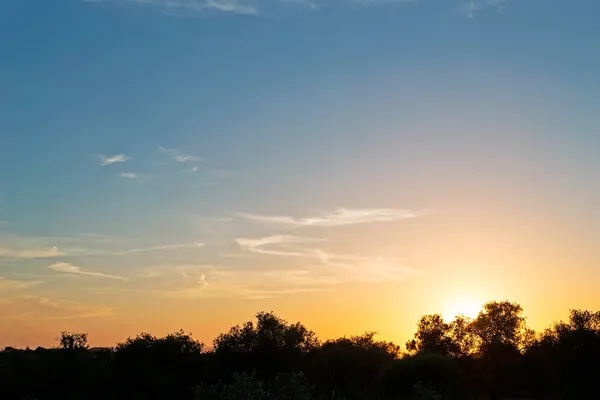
492,356
269,346
248,387
73,340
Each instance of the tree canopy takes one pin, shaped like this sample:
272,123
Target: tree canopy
494,355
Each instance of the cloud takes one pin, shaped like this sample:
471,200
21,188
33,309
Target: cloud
472,7
189,273
190,8
29,254
346,267
227,281
231,6
86,244
43,308
340,217
258,245
178,156
163,247
202,281
273,293
7,284
73,269
275,8
118,158
364,269
134,175
129,175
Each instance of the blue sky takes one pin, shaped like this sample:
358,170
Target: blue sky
139,138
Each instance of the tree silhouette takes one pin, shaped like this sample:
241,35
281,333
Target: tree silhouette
352,365
493,356
73,341
500,324
433,336
158,367
270,346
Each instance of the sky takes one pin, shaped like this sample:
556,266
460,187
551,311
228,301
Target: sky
350,164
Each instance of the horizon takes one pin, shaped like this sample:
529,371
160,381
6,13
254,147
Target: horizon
209,345
351,165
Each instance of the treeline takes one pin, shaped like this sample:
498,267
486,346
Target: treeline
494,356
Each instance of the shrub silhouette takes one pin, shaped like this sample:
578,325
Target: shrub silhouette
493,356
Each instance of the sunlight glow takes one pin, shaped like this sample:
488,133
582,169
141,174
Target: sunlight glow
461,306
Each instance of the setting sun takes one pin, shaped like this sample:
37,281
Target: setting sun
461,306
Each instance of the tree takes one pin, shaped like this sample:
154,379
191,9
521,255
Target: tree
352,365
269,331
271,345
73,341
566,356
500,324
462,336
501,337
433,336
168,367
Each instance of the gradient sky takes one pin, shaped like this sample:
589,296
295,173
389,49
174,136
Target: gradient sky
352,164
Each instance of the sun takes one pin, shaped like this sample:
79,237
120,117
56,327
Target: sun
461,306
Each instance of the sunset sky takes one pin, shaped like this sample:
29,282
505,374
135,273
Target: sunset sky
350,164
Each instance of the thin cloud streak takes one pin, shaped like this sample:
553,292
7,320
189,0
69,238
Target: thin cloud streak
7,284
118,158
189,8
44,308
351,267
165,247
340,217
134,175
30,254
178,156
472,7
84,245
258,245
73,269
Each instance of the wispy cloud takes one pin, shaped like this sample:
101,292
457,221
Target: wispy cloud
202,281
134,175
188,272
30,253
350,267
253,285
195,245
189,8
7,284
18,248
73,269
44,308
472,7
339,217
365,269
178,155
280,241
129,175
118,158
